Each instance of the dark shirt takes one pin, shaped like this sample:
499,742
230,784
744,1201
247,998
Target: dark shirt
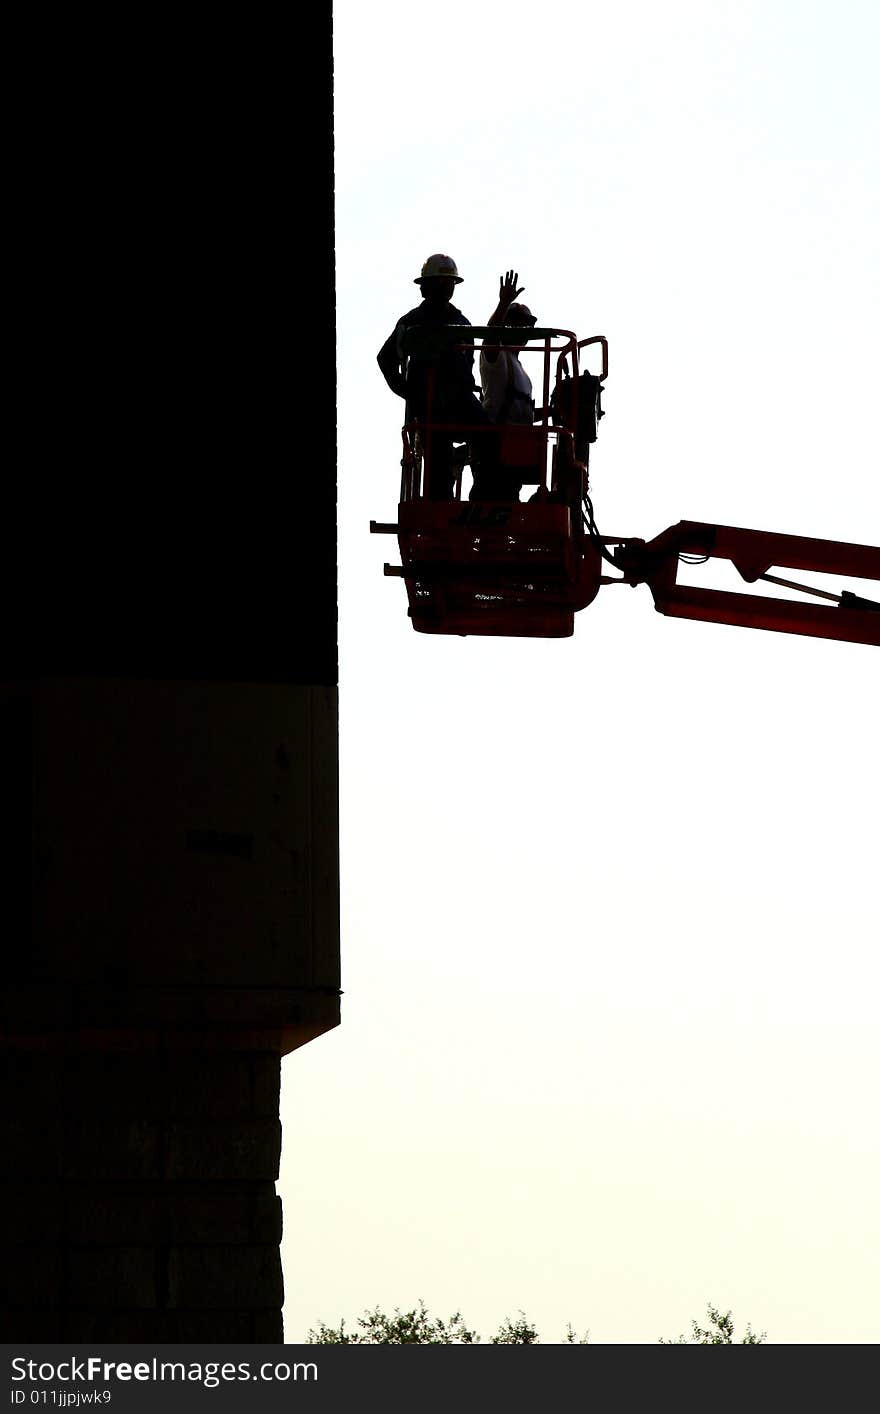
407,376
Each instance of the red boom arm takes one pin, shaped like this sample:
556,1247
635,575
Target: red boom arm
753,553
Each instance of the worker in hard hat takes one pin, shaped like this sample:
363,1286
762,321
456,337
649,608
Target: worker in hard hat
507,388
454,398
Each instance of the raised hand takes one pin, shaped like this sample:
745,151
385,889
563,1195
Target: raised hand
507,291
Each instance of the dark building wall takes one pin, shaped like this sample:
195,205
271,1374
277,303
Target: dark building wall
181,849
168,709
138,1199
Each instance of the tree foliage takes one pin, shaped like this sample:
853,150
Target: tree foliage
414,1327
718,1332
520,1332
419,1327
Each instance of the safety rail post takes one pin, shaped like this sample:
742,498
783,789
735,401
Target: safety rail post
562,431
598,339
406,468
545,389
428,448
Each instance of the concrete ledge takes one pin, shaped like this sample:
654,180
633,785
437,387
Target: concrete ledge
40,1010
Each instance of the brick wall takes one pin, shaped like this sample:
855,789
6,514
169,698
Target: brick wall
138,1195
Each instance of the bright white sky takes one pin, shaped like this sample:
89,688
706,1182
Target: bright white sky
610,929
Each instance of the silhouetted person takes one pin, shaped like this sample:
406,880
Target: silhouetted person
454,390
507,388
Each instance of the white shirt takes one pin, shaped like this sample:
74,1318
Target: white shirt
506,371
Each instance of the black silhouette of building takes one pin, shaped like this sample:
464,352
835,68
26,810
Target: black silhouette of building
168,728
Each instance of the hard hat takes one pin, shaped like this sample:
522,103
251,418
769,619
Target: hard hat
439,266
521,315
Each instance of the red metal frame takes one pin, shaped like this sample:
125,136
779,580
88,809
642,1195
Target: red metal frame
753,553
416,478
490,567
526,568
